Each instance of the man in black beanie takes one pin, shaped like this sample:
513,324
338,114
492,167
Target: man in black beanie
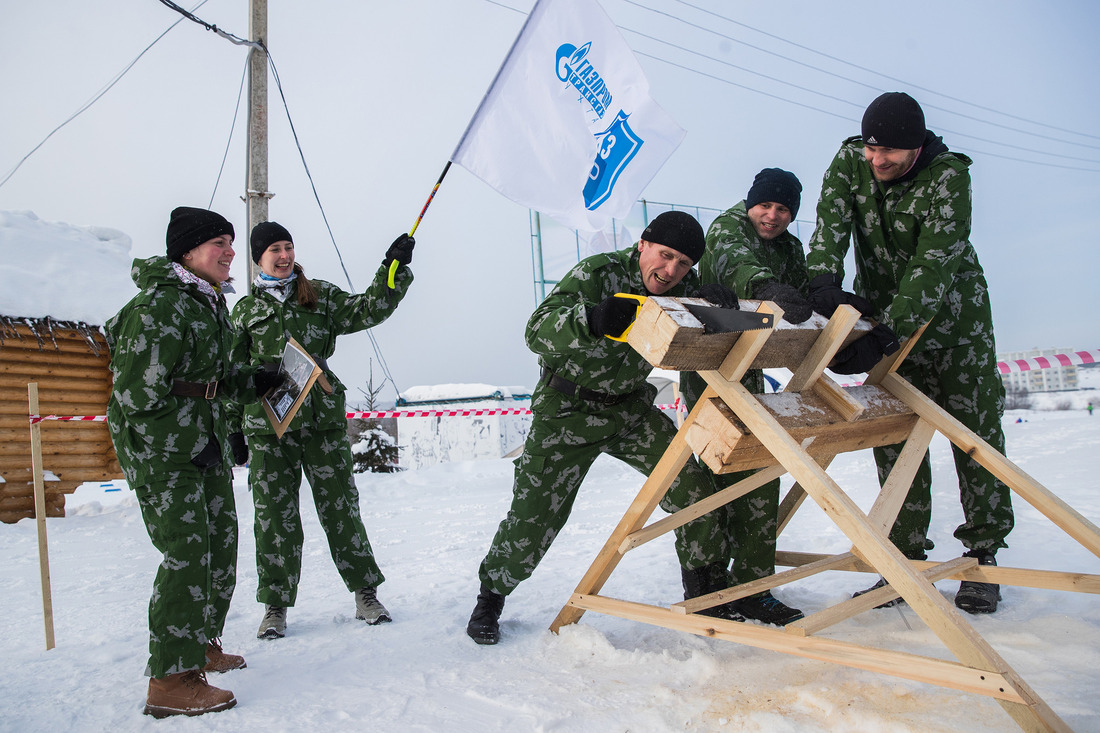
906,199
593,399
750,250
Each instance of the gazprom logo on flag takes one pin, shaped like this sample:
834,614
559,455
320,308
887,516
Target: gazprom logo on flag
618,145
575,69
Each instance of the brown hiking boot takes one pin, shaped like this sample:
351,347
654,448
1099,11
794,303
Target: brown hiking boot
219,661
185,693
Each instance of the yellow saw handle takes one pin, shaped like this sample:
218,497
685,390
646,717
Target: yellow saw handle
641,302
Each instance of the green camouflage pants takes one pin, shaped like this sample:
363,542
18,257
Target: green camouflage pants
275,476
751,521
192,520
567,435
963,381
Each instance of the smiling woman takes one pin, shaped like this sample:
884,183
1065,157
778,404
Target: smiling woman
173,374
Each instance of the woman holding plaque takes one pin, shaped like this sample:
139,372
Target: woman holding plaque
286,304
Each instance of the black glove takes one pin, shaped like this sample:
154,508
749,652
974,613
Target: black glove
401,250
612,316
267,379
239,446
826,296
866,351
718,294
796,309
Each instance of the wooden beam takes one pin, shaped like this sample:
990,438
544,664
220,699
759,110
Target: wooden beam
898,664
844,610
824,349
939,615
699,508
744,590
1046,502
639,511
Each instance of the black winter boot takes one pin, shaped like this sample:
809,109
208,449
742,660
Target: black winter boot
709,579
484,626
767,608
974,597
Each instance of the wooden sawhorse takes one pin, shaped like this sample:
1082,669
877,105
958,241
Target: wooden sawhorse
800,431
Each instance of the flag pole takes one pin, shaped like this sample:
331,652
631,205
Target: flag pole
391,281
393,265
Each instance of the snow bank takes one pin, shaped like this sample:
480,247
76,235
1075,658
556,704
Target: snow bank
66,272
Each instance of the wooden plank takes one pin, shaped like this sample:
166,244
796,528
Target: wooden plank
939,615
1020,577
1034,493
730,446
40,515
796,495
701,603
699,508
897,664
674,339
97,448
890,364
837,398
50,385
824,349
639,511
896,488
815,622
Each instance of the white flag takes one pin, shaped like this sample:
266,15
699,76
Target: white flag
568,127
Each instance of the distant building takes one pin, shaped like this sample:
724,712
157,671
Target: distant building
443,438
1054,379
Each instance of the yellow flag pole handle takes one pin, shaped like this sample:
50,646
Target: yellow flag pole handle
391,281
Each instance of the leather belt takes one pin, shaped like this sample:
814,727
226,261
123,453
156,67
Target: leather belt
206,390
572,389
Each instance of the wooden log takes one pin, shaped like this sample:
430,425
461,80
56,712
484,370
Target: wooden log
898,664
670,337
725,444
58,448
85,382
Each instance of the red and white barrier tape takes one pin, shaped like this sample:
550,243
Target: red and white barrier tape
350,415
1072,358
1050,362
69,418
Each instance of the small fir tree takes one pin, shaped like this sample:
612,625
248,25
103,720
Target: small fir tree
373,448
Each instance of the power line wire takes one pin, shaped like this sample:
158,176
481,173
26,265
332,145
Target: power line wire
95,98
855,81
845,101
885,76
232,126
324,216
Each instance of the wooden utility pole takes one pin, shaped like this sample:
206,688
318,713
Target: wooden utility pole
256,177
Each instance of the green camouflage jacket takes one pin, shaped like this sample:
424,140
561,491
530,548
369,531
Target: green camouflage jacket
558,329
914,260
169,331
739,259
263,325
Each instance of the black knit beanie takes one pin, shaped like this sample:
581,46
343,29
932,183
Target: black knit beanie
266,234
894,120
777,185
188,228
678,230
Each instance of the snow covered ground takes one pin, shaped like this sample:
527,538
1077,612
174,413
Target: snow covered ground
431,527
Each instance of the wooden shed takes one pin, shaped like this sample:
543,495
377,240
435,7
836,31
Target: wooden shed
70,362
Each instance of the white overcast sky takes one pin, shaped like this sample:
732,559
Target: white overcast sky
381,91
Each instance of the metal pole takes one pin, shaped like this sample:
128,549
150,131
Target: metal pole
256,177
